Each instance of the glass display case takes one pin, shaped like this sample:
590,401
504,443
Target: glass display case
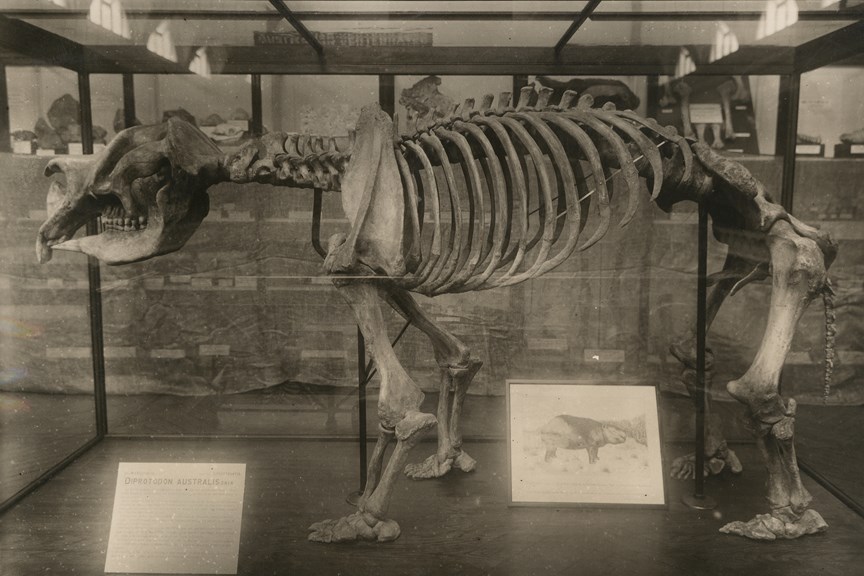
47,394
828,172
240,334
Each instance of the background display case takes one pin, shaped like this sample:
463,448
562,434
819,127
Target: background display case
239,336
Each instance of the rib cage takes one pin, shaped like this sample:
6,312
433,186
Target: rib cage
514,163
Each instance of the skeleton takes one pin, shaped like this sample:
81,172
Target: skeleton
149,188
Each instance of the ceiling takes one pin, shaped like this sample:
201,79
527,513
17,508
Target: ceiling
646,34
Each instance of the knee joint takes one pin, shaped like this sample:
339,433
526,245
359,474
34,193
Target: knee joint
775,416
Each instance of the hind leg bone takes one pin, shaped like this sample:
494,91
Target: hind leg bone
457,371
798,275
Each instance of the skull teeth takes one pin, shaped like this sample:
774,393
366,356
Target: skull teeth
123,223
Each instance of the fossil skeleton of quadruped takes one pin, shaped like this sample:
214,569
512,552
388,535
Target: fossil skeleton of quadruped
446,210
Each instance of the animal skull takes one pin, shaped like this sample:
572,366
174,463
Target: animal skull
148,187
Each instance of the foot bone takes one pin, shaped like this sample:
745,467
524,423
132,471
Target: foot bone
782,523
684,467
433,468
429,468
357,526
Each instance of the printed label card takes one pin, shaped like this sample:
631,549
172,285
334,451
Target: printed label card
176,518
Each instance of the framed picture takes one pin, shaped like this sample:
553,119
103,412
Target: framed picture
572,443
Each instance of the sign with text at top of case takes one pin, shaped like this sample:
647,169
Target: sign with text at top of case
176,518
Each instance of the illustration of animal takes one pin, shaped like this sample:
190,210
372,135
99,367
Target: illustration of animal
576,433
533,179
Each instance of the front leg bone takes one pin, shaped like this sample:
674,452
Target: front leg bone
398,402
370,522
376,463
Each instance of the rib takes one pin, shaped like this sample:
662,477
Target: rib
622,155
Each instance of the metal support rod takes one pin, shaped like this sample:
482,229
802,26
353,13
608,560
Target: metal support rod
256,127
698,500
97,344
317,194
701,321
387,93
298,25
577,23
519,80
361,405
5,126
86,119
129,113
789,103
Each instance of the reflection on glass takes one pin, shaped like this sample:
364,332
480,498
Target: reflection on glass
46,383
236,333
221,104
321,105
735,114
43,110
829,170
423,100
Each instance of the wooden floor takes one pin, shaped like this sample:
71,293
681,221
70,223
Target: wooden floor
829,439
459,525
37,431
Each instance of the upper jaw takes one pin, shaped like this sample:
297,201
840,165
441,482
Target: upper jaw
66,214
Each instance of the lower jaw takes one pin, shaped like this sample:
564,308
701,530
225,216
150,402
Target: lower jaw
114,246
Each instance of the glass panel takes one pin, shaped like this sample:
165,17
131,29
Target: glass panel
459,23
828,173
220,103
324,105
735,114
237,333
106,96
46,378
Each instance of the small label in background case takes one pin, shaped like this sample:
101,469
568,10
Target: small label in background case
76,148
808,149
25,147
706,114
45,152
214,350
856,148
